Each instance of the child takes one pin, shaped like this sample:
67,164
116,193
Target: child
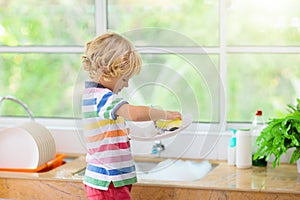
111,61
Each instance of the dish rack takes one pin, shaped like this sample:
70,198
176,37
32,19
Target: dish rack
56,162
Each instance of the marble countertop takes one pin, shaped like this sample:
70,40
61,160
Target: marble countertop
283,179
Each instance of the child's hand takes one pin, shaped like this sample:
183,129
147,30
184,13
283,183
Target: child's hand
172,115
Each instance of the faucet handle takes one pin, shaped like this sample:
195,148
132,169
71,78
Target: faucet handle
157,147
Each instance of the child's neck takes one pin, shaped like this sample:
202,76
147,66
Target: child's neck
110,84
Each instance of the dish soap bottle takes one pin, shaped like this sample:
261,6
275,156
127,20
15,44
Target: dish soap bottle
258,125
232,149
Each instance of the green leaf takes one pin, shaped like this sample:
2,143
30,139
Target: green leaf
277,140
294,141
292,108
298,130
295,156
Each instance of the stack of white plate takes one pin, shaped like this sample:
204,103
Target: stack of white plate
26,147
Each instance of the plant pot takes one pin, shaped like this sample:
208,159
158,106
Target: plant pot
259,162
298,165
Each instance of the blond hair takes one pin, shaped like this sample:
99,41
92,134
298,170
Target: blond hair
110,55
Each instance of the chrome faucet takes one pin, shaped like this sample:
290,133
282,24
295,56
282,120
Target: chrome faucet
19,102
157,148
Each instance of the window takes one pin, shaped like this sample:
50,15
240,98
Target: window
196,19
43,81
253,47
175,82
263,67
41,43
263,23
179,72
261,80
220,60
46,23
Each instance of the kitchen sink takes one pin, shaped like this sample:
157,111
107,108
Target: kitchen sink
169,170
174,170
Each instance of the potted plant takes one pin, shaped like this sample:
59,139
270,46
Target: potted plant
280,135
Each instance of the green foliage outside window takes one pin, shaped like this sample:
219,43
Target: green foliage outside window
55,23
45,82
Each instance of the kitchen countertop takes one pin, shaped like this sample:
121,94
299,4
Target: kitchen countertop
65,172
283,179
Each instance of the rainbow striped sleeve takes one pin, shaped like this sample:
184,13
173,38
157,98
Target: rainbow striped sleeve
101,102
108,104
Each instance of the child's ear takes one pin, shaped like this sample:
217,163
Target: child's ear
102,78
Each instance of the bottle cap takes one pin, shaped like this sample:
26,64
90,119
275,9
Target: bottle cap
258,113
233,130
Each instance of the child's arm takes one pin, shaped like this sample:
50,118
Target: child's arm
144,113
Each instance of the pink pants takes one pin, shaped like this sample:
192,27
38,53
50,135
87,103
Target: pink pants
113,193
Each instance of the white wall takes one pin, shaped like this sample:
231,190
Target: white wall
187,144
183,145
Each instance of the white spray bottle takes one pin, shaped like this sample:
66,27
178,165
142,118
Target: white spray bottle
232,149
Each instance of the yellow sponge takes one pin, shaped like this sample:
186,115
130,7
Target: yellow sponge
168,124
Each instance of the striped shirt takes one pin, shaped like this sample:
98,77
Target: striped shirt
108,149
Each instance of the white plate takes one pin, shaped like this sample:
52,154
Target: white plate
44,140
18,149
138,133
